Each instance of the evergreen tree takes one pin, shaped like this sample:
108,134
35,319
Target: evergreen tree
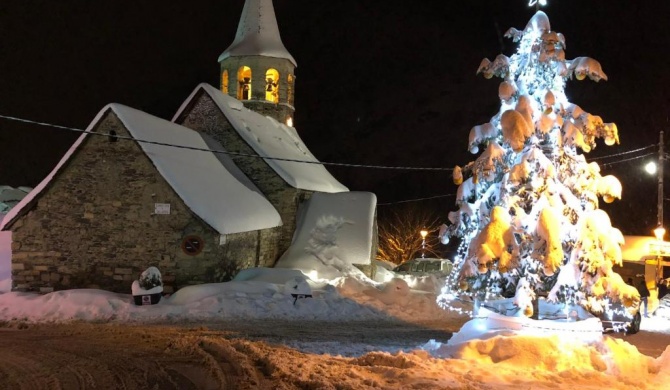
528,205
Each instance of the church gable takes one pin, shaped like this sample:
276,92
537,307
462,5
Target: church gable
95,223
108,214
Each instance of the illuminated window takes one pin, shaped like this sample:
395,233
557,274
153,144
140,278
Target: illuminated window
192,245
272,85
224,82
244,83
289,90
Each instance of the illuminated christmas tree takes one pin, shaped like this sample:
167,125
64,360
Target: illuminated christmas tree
528,206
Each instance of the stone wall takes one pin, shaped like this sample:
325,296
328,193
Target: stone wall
203,115
94,226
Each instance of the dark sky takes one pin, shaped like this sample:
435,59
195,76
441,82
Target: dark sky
378,82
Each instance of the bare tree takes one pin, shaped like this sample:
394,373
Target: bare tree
399,234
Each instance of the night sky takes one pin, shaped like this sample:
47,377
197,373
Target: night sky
378,82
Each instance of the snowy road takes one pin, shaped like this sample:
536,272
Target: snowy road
345,338
230,355
258,354
647,342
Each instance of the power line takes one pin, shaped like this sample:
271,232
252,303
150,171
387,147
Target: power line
623,153
349,165
414,200
232,153
629,159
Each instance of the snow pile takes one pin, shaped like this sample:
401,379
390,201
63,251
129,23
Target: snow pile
560,361
481,353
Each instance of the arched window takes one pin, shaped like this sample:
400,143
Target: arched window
244,83
224,82
289,90
272,85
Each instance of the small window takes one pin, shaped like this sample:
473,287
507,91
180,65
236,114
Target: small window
192,245
244,83
289,90
224,82
272,85
432,266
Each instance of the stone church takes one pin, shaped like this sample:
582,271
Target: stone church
215,190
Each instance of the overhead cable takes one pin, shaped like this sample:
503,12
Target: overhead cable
628,159
414,200
623,153
233,153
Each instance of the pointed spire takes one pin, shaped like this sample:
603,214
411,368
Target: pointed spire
257,33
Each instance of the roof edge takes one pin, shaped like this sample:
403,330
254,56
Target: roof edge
18,210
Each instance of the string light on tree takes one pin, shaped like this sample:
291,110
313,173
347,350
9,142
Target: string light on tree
537,3
528,205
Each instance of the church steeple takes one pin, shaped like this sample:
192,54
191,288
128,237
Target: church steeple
256,68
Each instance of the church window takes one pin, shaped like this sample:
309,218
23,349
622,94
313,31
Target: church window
224,82
289,90
192,245
244,83
272,85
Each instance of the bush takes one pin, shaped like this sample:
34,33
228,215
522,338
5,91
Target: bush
150,278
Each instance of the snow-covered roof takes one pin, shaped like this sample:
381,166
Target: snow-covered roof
333,231
227,201
257,33
270,138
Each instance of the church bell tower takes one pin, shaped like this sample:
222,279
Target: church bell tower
256,68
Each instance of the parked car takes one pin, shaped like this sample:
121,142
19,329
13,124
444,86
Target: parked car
424,266
616,320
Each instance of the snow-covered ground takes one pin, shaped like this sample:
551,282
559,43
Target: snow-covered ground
479,348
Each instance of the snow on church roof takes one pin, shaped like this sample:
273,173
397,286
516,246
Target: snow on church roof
333,231
257,33
270,138
226,200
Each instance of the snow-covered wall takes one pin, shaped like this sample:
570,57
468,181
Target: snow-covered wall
334,231
5,260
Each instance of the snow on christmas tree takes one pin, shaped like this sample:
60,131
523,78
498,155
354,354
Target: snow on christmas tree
528,211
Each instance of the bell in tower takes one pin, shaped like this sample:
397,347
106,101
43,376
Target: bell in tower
256,68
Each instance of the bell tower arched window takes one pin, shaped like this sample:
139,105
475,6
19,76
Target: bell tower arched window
244,83
289,89
272,85
224,82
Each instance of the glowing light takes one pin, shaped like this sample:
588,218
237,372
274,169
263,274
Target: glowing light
289,122
650,168
659,232
534,2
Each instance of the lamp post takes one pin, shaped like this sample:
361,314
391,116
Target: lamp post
659,232
423,233
660,182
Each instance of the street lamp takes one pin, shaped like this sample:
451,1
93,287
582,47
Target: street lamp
650,168
423,233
